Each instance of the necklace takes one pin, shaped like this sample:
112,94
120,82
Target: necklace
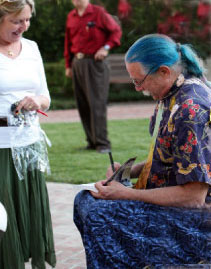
10,53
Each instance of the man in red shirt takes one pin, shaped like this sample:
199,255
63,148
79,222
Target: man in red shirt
90,33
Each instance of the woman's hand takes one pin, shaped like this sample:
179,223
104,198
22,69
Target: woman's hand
31,103
113,191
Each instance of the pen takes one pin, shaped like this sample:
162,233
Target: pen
41,112
111,161
113,169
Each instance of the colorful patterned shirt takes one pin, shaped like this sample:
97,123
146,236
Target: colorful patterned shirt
182,150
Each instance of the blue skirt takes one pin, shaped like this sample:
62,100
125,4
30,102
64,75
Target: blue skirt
132,234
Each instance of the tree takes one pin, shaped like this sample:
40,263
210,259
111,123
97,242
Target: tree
188,24
48,28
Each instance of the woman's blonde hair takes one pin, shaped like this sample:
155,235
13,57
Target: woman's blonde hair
14,6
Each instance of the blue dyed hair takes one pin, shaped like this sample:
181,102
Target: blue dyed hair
155,50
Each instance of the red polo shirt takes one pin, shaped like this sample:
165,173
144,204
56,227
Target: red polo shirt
89,32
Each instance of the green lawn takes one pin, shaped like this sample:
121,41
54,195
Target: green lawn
71,164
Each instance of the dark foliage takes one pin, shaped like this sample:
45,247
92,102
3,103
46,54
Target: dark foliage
179,19
147,16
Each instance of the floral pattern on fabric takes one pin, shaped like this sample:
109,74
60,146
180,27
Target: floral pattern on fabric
182,141
126,234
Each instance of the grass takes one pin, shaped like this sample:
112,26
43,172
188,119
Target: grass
72,164
117,93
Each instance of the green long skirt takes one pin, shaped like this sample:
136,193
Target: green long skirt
29,232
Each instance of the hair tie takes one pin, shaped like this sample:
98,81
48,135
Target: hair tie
178,48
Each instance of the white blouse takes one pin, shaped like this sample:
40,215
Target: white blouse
20,77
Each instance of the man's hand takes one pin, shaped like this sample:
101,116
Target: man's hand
68,72
110,172
191,194
113,191
101,54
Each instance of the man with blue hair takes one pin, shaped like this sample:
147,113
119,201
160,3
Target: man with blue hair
165,219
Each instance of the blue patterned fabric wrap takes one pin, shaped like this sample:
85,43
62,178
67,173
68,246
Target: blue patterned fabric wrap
132,234
126,234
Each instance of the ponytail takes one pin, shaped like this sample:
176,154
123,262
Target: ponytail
190,61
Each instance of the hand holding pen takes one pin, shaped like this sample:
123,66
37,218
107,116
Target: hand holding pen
122,173
114,167
16,110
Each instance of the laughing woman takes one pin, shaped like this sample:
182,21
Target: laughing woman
23,154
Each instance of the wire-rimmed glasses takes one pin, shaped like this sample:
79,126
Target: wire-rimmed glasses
139,82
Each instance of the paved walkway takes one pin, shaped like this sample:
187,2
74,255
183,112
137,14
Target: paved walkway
114,111
68,244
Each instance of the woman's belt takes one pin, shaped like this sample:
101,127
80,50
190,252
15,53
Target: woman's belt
3,122
81,55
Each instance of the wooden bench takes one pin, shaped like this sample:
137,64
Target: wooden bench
118,71
119,74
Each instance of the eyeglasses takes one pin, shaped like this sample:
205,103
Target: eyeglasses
139,82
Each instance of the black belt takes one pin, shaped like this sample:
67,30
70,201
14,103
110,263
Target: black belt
81,55
3,122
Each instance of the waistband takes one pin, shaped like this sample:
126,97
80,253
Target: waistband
3,122
81,55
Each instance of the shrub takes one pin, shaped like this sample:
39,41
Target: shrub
48,26
62,93
58,83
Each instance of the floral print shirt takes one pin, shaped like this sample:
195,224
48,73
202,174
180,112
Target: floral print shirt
182,150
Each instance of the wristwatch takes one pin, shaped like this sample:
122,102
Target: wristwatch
106,47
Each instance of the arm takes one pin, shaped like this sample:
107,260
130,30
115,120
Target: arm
113,31
67,53
188,195
136,169
41,98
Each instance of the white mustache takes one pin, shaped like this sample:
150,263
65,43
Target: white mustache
146,93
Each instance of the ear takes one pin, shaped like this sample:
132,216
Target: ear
164,71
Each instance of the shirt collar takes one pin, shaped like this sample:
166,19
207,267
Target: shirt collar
89,9
176,86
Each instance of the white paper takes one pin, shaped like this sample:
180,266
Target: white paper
88,186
